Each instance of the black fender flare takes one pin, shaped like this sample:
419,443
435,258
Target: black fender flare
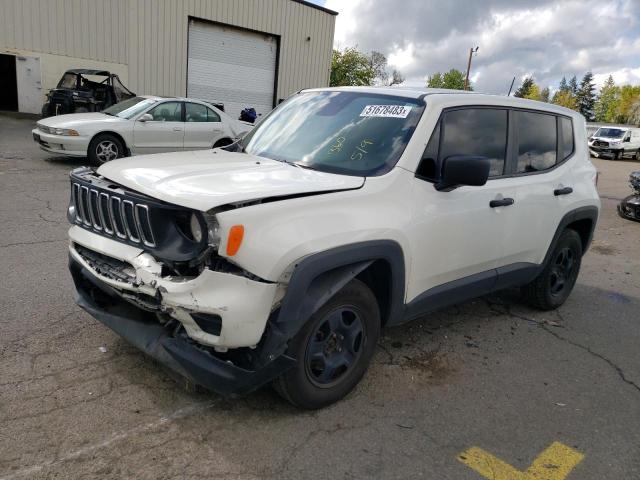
318,277
582,213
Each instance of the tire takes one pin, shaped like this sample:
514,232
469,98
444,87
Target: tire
329,365
104,148
617,155
552,286
636,156
81,110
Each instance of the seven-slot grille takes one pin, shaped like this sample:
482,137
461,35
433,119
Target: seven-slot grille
112,215
600,143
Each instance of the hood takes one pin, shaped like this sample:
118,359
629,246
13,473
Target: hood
205,179
77,119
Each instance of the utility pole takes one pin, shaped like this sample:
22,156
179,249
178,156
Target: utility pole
466,80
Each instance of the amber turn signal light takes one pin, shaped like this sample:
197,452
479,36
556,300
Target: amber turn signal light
236,234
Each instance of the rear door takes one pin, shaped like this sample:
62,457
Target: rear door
163,133
203,127
542,177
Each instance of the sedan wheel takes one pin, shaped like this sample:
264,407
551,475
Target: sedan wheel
106,151
104,148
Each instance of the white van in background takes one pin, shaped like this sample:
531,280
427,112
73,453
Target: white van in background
615,142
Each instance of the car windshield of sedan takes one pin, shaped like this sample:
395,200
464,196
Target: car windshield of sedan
609,133
351,133
129,108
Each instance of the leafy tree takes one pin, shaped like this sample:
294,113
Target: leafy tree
525,88
453,79
634,113
351,67
396,78
378,63
586,97
573,85
533,93
607,102
565,98
629,96
544,95
435,81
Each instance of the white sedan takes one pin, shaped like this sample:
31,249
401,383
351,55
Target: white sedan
139,126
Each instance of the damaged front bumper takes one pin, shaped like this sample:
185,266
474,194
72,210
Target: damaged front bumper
128,300
217,309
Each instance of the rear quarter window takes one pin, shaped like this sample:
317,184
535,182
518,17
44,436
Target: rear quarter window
567,137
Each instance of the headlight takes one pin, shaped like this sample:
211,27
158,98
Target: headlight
213,230
67,132
196,229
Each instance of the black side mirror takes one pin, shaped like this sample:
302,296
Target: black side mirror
460,170
627,139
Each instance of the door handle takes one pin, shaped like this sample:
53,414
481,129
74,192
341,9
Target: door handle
563,191
177,129
504,202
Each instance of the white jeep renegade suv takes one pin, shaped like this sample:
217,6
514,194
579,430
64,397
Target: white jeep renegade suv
279,258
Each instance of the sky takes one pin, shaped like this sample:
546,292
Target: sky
544,38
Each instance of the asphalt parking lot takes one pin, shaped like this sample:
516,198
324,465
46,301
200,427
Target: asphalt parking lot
487,389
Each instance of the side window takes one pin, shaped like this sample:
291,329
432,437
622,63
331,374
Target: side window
212,116
167,112
194,112
537,142
476,131
567,137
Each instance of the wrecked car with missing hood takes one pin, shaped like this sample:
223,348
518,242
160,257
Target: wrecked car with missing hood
279,258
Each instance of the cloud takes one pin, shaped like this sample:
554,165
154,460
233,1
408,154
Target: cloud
544,38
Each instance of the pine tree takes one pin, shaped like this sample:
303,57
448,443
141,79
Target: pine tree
573,85
544,95
606,104
564,86
586,97
525,88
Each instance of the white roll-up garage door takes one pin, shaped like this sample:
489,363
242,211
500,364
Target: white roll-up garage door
231,66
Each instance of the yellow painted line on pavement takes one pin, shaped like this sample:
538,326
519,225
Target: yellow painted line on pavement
555,463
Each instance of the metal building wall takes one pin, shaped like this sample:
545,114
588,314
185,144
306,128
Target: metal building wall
150,36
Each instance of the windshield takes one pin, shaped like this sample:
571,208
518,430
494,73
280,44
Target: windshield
68,80
610,133
351,133
129,108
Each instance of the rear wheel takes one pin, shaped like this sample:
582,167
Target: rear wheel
636,156
553,285
333,349
104,148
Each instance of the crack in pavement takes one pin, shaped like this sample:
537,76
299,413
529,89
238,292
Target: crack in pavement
32,243
587,349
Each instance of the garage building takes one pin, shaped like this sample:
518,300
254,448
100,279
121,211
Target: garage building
241,53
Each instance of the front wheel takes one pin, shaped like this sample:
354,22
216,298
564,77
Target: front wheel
552,286
333,349
104,148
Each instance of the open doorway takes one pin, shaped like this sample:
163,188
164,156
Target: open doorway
8,83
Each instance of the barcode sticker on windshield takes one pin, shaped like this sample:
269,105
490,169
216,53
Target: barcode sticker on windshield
393,111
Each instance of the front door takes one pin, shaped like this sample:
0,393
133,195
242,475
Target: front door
164,132
458,234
